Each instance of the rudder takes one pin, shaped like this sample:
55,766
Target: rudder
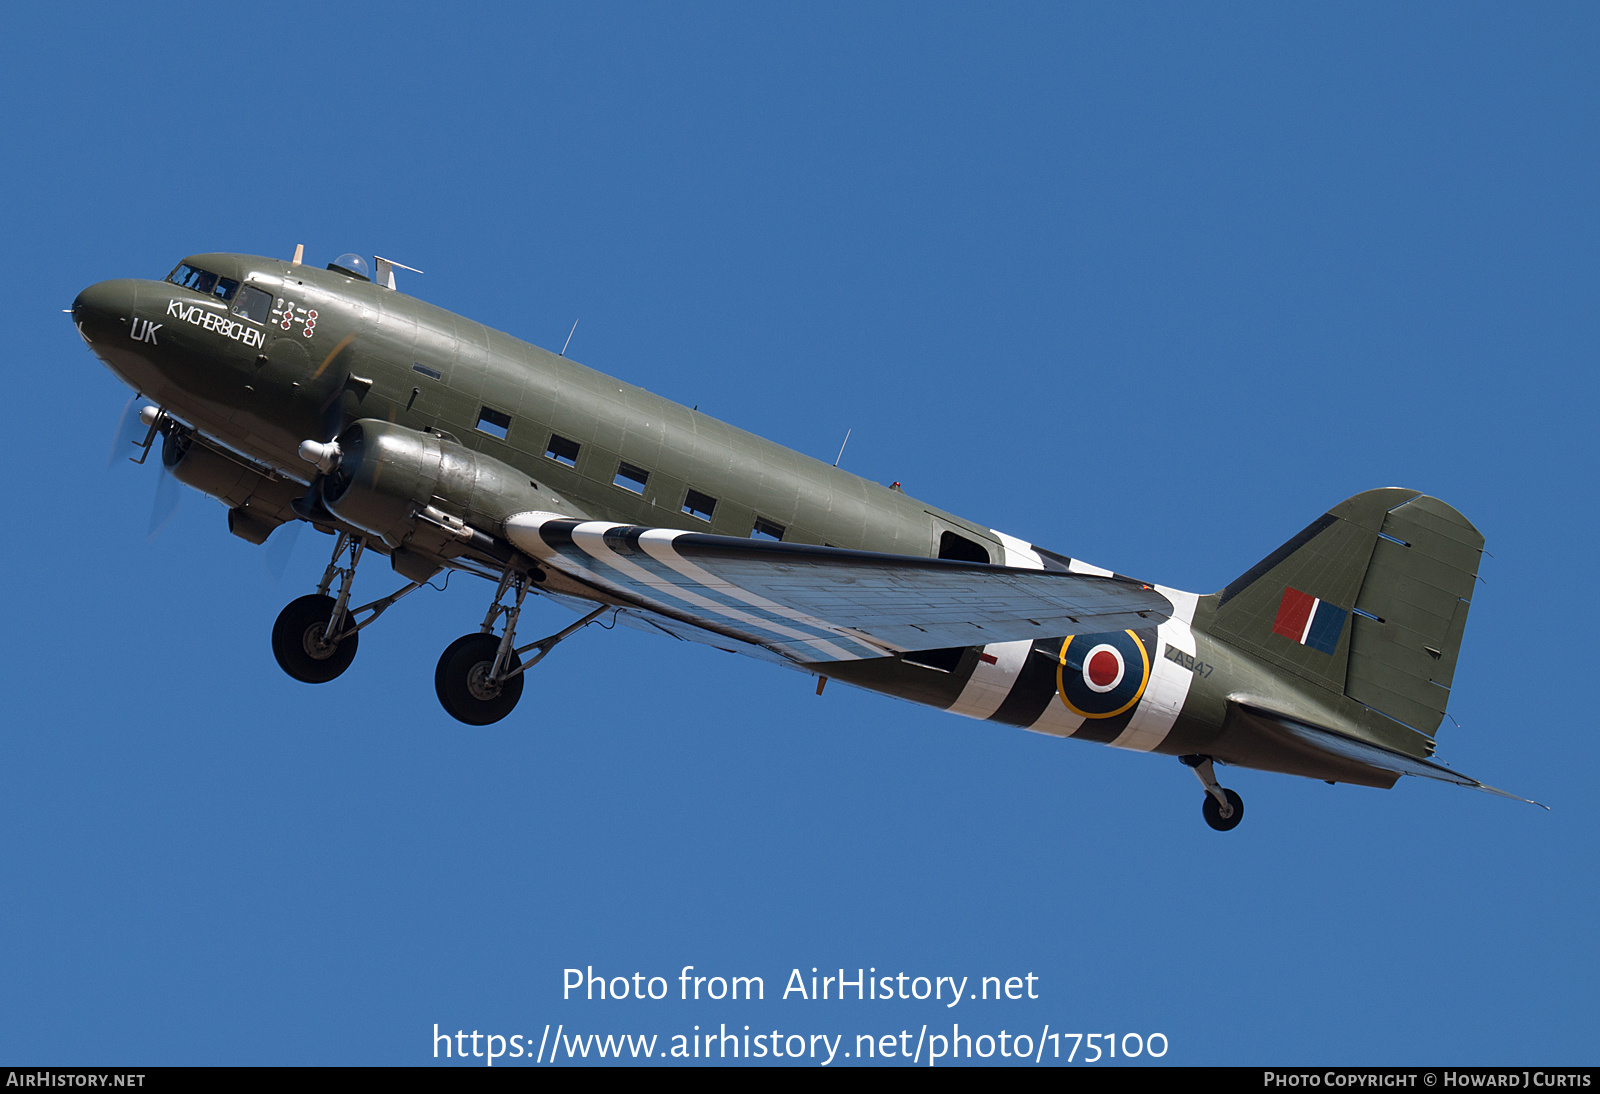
1412,611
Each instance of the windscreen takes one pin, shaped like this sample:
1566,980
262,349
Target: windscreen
192,277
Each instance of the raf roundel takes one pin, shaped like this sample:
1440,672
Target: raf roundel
1102,675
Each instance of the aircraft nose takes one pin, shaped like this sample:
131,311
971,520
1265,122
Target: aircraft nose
103,308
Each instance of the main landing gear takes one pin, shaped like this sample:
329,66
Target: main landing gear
479,677
315,636
1223,809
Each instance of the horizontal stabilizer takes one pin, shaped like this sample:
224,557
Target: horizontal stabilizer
813,604
1371,755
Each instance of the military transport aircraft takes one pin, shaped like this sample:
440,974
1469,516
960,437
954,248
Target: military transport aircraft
325,395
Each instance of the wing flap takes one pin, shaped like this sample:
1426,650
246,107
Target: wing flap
813,604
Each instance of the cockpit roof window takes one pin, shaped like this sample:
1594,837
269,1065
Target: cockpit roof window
192,277
353,265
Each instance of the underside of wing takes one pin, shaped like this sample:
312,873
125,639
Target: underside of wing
817,604
652,622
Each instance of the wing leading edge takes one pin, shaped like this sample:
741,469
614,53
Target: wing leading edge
814,604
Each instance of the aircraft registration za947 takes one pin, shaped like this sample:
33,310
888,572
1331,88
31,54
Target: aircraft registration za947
325,395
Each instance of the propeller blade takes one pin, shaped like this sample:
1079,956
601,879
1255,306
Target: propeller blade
333,417
166,502
130,431
333,379
280,547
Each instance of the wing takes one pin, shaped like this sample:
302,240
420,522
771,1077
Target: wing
650,622
813,604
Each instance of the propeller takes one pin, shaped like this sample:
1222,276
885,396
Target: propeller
168,495
332,381
166,502
137,430
331,414
280,548
130,433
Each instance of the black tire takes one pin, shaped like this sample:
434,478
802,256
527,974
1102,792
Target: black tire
297,641
459,681
1213,812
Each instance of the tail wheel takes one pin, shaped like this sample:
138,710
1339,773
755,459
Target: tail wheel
462,681
1213,811
298,640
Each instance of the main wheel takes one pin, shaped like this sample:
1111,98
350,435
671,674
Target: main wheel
1213,812
462,681
297,640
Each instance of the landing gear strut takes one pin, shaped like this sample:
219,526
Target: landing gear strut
479,678
315,636
1222,808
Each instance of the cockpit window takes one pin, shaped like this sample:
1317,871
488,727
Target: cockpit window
192,277
188,277
254,304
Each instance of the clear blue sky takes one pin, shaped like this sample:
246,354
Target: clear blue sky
1148,285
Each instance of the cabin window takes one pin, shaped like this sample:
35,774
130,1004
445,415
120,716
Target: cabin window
254,304
630,477
766,529
494,422
562,450
430,373
961,549
699,505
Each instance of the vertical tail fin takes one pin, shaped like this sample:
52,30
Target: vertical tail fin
1369,602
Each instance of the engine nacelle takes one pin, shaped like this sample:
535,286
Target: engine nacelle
257,503
386,474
